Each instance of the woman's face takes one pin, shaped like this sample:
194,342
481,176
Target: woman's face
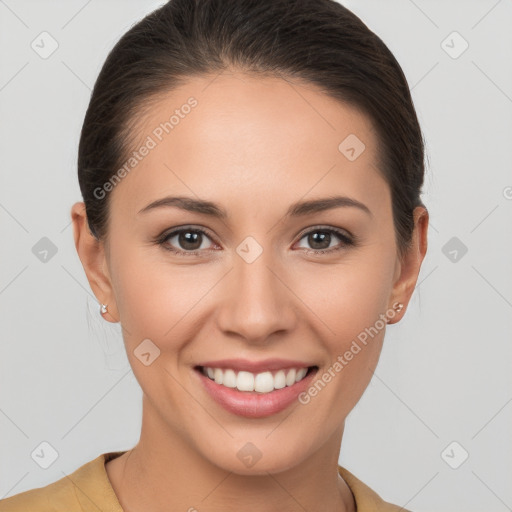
269,280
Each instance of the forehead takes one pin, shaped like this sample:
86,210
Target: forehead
246,140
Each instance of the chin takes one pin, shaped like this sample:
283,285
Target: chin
245,458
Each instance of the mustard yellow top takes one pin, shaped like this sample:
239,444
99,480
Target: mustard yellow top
88,489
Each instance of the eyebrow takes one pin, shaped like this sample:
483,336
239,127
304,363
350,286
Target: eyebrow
298,209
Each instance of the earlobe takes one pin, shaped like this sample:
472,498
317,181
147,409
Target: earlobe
92,255
411,264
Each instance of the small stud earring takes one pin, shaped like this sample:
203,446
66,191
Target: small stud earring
398,306
103,309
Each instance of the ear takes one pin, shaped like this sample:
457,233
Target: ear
408,269
92,255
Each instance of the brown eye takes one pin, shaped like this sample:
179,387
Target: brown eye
189,240
185,241
320,239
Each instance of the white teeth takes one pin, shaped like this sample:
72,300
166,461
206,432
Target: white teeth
264,382
245,381
280,379
290,377
229,379
218,374
300,374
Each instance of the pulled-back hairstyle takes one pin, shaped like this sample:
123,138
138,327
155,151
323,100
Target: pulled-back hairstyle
319,42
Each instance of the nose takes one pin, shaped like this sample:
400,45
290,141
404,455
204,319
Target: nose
257,304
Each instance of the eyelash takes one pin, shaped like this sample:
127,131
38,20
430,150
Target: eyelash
348,241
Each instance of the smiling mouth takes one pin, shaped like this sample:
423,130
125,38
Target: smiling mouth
260,383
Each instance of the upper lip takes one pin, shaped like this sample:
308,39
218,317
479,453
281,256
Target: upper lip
240,364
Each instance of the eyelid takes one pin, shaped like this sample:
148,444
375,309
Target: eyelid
176,230
346,237
323,227
190,227
197,227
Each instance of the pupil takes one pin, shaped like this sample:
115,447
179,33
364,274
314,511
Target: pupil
188,240
315,239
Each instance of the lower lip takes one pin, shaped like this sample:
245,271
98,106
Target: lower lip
252,404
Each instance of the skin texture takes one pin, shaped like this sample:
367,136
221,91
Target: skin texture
253,145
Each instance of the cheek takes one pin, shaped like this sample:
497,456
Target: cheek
350,299
149,295
347,297
153,301
160,301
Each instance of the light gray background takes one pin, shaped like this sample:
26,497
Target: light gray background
445,370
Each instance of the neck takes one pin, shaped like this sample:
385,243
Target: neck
164,472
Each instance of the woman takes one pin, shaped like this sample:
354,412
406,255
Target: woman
251,174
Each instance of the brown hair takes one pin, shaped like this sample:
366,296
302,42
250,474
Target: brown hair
315,41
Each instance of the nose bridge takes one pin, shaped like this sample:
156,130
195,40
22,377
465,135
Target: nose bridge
257,303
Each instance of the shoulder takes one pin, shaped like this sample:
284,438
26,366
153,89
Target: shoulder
367,500
84,490
42,499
